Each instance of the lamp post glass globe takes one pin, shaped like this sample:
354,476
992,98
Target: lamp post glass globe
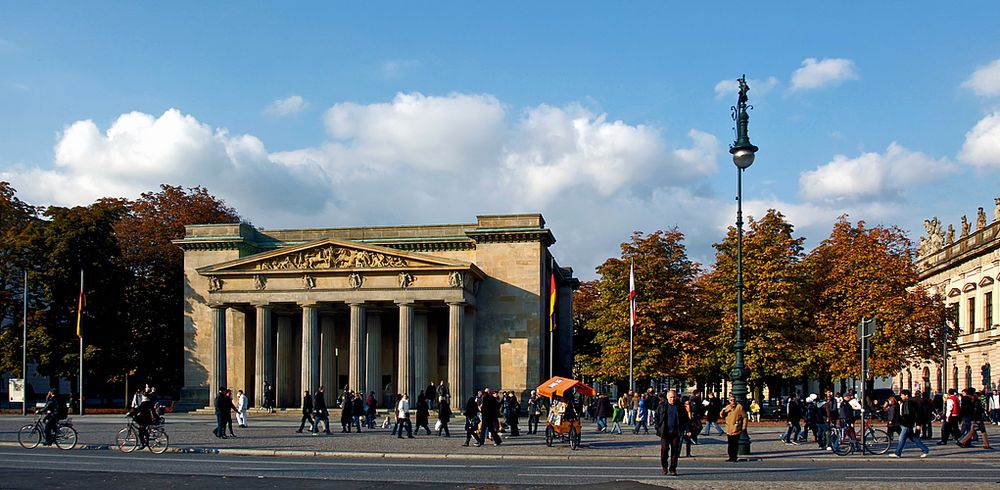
743,158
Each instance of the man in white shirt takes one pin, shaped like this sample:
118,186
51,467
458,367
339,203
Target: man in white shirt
242,403
403,417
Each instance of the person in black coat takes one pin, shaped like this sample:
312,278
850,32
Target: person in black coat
491,417
472,422
222,408
357,410
144,415
346,412
320,411
671,425
423,413
307,410
444,414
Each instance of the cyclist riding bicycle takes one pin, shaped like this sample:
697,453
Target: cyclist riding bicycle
144,415
54,410
847,417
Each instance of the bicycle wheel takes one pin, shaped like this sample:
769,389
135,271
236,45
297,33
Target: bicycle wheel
30,436
574,438
549,436
66,437
844,446
158,440
127,440
877,441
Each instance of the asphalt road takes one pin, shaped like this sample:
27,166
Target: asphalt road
64,469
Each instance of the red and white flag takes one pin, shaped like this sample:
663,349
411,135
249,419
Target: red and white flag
631,297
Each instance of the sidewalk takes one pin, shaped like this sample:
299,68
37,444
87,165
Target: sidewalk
275,435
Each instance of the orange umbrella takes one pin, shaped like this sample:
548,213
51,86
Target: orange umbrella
558,386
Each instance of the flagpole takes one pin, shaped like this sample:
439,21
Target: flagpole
552,279
79,319
24,349
631,323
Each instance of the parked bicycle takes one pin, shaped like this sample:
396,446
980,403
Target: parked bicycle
876,441
127,439
31,435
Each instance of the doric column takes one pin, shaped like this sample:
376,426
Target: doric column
356,366
327,369
420,353
456,353
372,358
310,348
264,353
217,378
405,377
284,392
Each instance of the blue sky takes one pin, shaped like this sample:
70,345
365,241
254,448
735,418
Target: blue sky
606,118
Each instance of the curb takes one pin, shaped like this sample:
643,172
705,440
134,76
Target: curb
503,457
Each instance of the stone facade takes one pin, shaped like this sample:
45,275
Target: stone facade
966,271
380,309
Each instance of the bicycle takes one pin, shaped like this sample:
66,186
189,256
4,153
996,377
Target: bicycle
65,437
876,441
127,439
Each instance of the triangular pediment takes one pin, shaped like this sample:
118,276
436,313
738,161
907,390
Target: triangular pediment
333,254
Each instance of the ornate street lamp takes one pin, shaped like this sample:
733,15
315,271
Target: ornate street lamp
743,156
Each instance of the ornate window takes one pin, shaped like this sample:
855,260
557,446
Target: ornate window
988,311
971,321
925,386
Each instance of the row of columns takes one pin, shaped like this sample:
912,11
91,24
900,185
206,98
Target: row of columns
364,349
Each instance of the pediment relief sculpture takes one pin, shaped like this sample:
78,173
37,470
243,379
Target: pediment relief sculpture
308,281
259,282
332,257
215,283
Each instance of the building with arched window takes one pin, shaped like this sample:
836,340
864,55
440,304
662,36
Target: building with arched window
965,270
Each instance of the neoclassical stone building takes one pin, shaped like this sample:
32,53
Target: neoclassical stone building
966,271
383,309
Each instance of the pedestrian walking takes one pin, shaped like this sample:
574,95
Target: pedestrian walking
926,420
641,416
220,419
403,417
229,408
472,417
686,436
242,404
736,423
892,415
321,413
909,411
793,413
307,410
754,410
371,410
712,415
357,410
978,423
534,412
603,411
268,401
672,423
617,415
952,411
490,412
346,412
511,413
444,415
810,415
423,413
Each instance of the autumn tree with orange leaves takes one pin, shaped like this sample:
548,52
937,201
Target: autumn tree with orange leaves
860,272
668,336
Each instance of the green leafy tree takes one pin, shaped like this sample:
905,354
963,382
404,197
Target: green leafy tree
860,272
775,310
15,217
667,339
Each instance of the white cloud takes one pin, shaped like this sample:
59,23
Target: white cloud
982,143
871,176
985,81
139,151
725,88
412,159
822,73
289,106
